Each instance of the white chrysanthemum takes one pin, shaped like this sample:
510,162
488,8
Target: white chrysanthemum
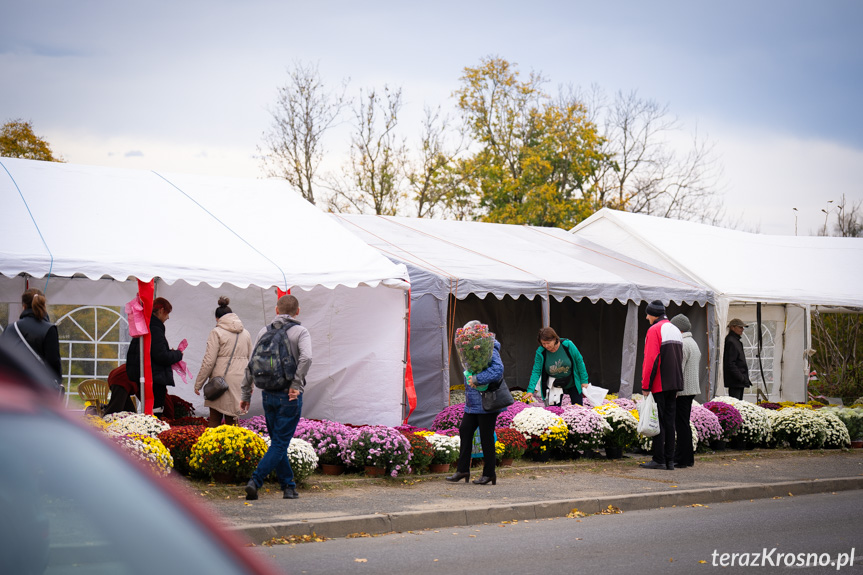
837,432
138,423
756,426
800,428
536,422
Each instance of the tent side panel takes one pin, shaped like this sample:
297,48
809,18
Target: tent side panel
429,358
794,364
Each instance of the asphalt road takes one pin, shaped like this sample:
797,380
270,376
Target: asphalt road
690,539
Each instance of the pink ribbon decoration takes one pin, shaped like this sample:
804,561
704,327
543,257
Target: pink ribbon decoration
135,315
180,366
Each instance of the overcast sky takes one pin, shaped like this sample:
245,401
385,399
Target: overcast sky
185,86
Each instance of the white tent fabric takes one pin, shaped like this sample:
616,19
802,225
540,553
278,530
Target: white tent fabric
456,259
463,258
65,219
787,274
205,237
742,266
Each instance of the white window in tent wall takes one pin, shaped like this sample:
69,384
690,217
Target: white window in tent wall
768,348
93,341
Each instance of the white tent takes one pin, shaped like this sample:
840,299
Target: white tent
538,276
84,233
788,275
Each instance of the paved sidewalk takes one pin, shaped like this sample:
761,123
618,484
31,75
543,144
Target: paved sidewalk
338,506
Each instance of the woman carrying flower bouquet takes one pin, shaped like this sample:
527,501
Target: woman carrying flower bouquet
560,359
487,379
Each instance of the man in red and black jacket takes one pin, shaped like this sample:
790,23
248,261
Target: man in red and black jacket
662,375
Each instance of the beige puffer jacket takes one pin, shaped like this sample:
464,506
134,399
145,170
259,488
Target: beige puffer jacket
219,345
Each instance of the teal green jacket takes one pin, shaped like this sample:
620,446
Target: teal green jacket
579,371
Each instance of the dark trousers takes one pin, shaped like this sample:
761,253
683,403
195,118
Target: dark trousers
683,453
663,444
120,401
736,392
574,396
485,422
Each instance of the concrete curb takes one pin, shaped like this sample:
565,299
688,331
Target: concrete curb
435,519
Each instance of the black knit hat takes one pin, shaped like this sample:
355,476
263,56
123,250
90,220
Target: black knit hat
656,308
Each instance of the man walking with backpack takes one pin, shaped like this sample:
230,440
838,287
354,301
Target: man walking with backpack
279,364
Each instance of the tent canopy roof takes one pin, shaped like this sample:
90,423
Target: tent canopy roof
65,219
456,257
739,266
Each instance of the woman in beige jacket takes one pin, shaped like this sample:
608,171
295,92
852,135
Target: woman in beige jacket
229,329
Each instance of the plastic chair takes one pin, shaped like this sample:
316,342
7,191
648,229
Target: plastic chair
96,392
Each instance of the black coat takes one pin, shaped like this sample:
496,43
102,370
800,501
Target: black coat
735,370
162,357
42,337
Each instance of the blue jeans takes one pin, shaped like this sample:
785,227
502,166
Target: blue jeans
282,417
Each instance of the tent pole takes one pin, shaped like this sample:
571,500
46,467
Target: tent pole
141,385
759,394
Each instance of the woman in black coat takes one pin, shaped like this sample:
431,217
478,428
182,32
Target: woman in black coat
37,331
162,357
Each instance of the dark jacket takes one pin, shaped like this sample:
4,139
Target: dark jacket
162,357
42,337
734,368
663,358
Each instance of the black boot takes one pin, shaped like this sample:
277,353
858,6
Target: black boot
485,480
458,476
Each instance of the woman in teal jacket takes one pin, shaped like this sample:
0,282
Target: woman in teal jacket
560,359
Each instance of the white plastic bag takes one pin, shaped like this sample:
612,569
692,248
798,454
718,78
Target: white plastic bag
648,417
595,394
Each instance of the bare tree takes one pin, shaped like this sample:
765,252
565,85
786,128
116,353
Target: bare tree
645,174
849,221
434,178
304,111
373,180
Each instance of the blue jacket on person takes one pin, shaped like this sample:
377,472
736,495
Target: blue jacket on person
490,375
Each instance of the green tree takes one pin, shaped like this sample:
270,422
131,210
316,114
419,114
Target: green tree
534,156
17,140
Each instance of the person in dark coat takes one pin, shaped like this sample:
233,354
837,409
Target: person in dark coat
162,357
122,390
734,368
37,331
662,375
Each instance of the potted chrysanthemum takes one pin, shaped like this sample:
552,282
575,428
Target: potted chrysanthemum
379,449
586,430
513,445
148,449
449,417
445,449
330,440
730,420
180,441
837,435
799,428
707,425
543,430
227,453
624,429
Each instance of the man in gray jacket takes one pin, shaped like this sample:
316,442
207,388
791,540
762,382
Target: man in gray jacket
684,456
282,408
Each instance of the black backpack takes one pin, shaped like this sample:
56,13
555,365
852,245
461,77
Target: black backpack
272,365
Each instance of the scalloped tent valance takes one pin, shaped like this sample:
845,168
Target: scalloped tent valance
67,220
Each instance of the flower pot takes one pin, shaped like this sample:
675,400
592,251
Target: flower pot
718,444
613,452
439,467
372,471
541,456
857,444
738,443
506,462
223,477
332,469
